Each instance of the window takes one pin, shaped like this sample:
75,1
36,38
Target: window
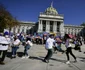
44,25
58,26
51,26
23,29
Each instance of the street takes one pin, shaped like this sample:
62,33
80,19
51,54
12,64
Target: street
37,54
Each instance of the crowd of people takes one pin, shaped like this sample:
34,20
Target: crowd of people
52,43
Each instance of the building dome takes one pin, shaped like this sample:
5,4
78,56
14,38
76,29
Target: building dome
51,11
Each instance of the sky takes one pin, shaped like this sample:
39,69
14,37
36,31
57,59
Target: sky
29,10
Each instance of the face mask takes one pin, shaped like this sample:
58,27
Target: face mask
6,36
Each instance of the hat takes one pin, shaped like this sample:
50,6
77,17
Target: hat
6,33
0,34
51,35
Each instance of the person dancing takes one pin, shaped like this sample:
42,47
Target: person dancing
68,48
49,46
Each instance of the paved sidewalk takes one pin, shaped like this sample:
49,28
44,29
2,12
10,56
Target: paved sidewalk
37,54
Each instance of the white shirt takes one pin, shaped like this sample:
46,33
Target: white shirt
3,40
16,42
49,43
29,42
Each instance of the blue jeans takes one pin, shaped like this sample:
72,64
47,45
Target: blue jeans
26,49
14,50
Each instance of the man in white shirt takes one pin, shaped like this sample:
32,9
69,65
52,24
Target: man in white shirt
49,46
3,48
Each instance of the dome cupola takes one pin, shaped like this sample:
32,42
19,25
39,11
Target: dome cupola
51,10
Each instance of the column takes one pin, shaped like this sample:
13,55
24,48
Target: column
54,27
62,28
76,31
39,24
25,28
66,30
47,26
70,30
21,28
73,32
16,29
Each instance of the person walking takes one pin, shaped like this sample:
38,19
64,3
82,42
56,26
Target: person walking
4,44
27,47
49,46
58,43
15,46
68,48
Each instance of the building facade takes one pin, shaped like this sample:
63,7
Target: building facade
74,30
24,27
49,21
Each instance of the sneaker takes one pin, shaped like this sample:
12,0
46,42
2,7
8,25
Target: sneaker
23,57
13,56
80,51
27,57
63,52
68,62
75,61
47,61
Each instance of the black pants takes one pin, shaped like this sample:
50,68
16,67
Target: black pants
44,41
37,41
3,53
69,50
49,54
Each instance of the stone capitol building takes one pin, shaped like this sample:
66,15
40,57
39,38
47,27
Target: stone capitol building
49,21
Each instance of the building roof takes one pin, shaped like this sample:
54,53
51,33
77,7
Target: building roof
28,22
68,25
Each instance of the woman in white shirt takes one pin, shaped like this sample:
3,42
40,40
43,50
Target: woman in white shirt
15,46
27,47
69,49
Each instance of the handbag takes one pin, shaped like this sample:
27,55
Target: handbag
30,43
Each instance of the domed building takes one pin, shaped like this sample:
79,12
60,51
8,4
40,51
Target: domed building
49,21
